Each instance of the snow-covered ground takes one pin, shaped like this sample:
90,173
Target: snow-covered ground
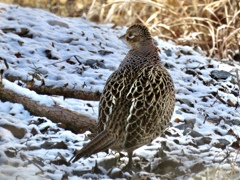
204,137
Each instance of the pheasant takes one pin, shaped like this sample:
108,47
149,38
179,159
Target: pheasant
137,101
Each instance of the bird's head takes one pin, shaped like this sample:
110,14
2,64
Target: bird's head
136,35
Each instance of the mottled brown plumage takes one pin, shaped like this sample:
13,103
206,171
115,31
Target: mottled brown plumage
137,101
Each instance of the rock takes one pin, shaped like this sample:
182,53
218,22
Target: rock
167,165
235,93
168,52
17,132
203,141
23,32
186,110
182,126
57,23
222,143
178,112
192,133
191,72
186,101
197,167
188,124
115,173
185,52
65,176
60,162
231,122
81,172
10,153
219,74
95,64
104,52
34,132
53,145
168,65
108,162
236,144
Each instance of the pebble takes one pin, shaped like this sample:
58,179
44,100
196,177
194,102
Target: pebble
17,132
192,133
219,74
222,143
95,64
115,173
204,140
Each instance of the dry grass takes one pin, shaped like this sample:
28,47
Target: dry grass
214,25
221,172
217,173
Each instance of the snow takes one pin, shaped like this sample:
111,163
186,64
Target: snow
43,99
56,41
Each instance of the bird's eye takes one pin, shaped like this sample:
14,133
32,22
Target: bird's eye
131,36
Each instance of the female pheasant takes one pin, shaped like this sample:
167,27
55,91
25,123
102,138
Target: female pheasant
137,101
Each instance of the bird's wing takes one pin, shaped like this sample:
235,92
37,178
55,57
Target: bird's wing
152,96
112,92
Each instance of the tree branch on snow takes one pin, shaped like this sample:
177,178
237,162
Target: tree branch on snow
73,121
60,91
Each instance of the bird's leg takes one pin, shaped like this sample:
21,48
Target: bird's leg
128,167
129,164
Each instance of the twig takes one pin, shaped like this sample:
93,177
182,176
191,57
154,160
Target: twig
238,83
25,157
1,74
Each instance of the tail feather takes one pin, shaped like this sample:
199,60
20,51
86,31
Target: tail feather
100,143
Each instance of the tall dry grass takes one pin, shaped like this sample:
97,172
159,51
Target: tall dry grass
213,25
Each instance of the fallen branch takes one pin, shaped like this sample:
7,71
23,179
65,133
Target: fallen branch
73,121
60,91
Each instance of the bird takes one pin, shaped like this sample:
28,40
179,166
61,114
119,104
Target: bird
137,101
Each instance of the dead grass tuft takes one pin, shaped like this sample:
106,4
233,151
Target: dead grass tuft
213,25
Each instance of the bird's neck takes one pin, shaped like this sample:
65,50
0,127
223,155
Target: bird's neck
144,48
137,58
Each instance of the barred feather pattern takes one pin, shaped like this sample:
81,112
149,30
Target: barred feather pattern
138,99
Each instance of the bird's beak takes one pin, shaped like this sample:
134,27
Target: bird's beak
122,37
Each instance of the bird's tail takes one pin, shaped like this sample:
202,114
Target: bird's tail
100,143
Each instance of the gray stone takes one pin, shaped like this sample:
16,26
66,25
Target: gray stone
104,52
115,173
95,64
191,122
188,124
219,74
57,23
233,122
222,143
168,52
192,133
168,65
186,101
198,167
203,141
17,132
182,126
167,165
108,163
